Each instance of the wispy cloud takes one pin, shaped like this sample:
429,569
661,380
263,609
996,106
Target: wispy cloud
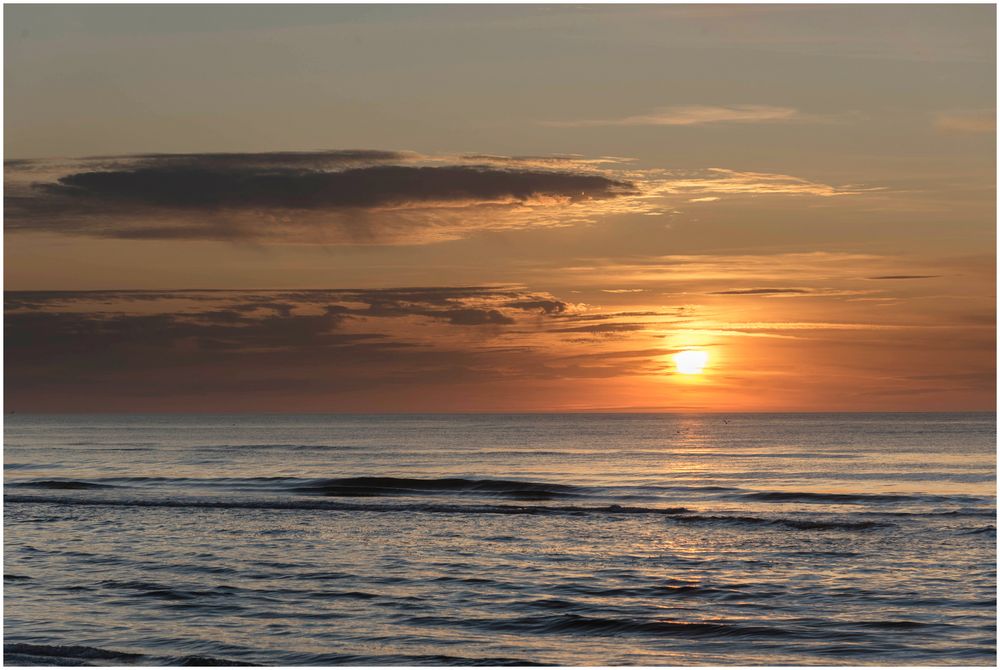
761,291
792,292
970,121
716,182
796,271
696,115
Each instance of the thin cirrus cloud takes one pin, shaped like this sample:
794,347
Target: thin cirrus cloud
971,121
696,115
762,291
769,292
758,271
726,182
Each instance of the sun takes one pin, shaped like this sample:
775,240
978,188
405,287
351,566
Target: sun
691,361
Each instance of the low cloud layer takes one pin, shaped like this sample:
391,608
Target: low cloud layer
127,350
475,347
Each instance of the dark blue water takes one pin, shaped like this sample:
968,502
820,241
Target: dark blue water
554,539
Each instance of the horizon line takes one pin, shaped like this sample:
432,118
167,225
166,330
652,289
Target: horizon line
496,412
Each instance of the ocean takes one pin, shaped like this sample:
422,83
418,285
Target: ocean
565,539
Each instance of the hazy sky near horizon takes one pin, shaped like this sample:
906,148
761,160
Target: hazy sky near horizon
477,208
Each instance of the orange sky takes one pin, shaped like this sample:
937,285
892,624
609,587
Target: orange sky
547,205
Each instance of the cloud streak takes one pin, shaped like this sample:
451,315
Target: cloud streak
715,182
975,121
762,291
695,115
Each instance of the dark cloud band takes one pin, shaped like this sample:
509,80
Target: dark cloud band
371,187
353,195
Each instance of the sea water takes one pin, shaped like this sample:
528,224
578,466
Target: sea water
566,539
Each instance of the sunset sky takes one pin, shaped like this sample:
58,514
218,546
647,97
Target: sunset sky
499,208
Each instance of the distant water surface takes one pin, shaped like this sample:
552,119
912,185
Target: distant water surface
501,539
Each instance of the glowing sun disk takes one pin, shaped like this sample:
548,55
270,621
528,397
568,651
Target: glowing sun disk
691,361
